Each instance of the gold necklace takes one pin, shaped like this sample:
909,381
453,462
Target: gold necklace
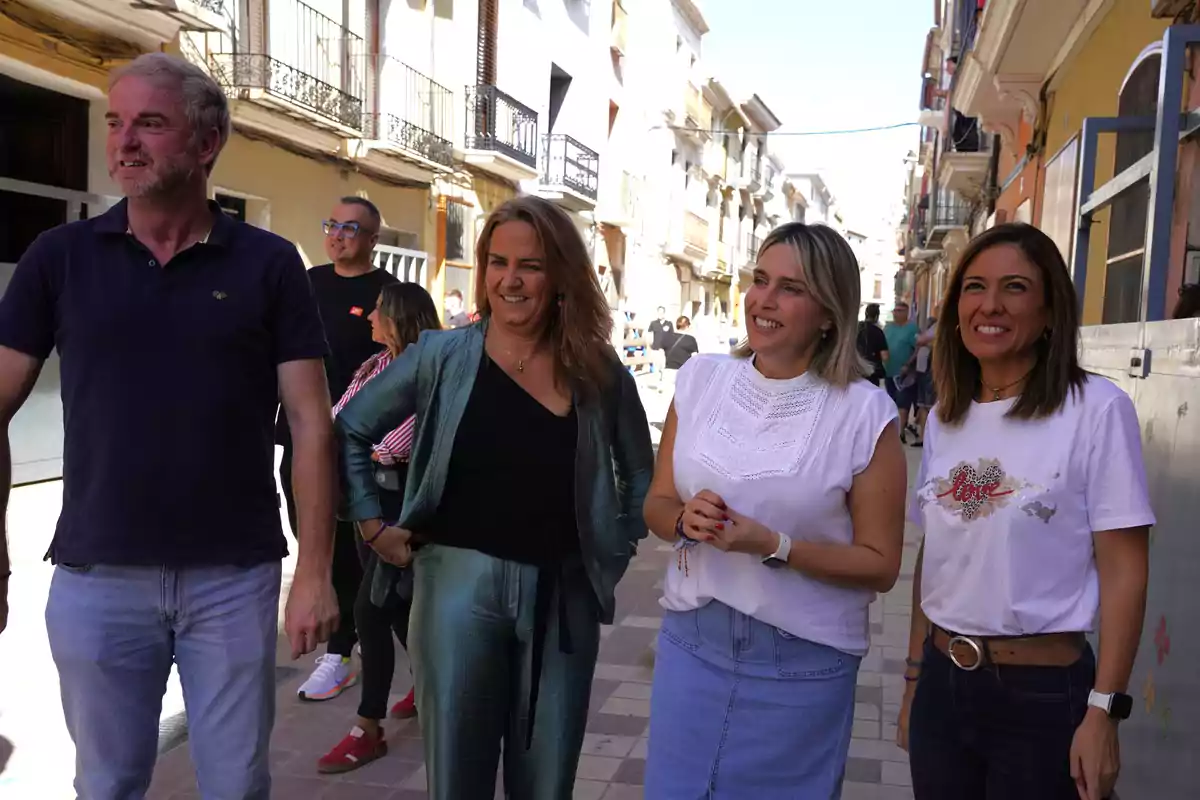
996,390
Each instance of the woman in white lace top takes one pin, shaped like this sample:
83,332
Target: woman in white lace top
781,481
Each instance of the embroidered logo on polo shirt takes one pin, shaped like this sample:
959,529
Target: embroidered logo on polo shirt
356,311
975,491
217,293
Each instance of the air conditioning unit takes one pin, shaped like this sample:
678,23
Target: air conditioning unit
1162,9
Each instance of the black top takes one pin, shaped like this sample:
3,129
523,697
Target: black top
169,386
680,347
510,484
872,342
658,329
345,305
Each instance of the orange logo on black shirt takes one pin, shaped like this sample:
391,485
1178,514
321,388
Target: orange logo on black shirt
356,311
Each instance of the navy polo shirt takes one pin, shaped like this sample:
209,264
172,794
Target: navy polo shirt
169,386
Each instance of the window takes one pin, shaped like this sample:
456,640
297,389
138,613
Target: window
877,294
460,235
232,206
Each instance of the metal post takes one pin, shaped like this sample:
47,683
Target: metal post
1089,139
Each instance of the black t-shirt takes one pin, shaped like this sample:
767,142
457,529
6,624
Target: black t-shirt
345,304
679,347
872,342
658,330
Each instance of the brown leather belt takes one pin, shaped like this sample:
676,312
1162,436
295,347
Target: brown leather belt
1044,650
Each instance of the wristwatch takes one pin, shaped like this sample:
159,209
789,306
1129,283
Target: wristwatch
780,557
1118,706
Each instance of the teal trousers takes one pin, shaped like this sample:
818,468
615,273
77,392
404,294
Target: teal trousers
474,651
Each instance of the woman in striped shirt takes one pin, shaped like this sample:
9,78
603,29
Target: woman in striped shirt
404,310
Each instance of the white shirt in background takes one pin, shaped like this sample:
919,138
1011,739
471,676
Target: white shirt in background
784,453
1009,507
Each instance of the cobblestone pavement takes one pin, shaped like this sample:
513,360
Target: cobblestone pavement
612,766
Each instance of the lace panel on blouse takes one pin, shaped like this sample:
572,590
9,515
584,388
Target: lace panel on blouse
758,428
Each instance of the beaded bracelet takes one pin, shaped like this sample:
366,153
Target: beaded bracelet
679,532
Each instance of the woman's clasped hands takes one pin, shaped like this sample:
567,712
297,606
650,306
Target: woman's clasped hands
707,519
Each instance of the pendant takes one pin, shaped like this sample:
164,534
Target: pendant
520,365
995,395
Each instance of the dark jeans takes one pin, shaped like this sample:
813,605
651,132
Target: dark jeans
346,568
998,733
375,628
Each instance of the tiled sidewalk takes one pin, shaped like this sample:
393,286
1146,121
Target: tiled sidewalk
613,763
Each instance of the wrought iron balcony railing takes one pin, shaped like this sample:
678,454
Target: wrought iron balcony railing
756,170
695,231
412,111
495,121
312,61
568,163
965,135
752,245
949,215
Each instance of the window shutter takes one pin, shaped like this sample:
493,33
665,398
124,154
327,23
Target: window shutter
485,53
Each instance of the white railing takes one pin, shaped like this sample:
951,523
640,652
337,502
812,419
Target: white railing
75,200
411,266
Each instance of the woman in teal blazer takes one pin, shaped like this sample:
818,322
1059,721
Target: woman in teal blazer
522,509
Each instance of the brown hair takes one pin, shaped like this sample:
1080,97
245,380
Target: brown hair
1056,372
830,269
580,323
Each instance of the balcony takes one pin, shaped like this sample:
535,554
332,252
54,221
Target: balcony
945,219
502,134
697,114
412,116
114,25
752,245
314,69
688,239
617,205
619,37
967,159
570,173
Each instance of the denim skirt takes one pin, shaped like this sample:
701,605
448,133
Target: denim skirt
740,710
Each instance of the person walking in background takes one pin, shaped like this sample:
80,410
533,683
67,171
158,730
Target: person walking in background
926,392
178,331
1032,498
872,345
346,291
780,481
403,312
524,495
456,314
901,335
678,347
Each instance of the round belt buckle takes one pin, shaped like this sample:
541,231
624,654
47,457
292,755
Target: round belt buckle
974,645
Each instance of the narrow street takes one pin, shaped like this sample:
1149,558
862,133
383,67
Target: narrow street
32,730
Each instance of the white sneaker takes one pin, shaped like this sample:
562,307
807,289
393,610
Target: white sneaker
332,676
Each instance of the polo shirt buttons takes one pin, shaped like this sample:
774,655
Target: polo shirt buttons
153,263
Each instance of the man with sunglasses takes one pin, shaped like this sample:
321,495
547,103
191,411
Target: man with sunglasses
346,291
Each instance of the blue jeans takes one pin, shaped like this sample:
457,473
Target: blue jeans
996,733
740,709
114,632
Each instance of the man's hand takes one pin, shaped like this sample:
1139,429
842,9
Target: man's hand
311,614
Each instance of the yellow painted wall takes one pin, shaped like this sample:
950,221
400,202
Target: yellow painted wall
1088,87
54,57
301,192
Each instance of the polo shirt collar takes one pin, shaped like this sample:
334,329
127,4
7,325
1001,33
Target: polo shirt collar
116,220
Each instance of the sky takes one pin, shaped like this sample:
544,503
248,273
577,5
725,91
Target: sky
827,65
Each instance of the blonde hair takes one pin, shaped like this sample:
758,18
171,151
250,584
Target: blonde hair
831,271
580,322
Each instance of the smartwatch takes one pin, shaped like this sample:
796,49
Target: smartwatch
780,557
1118,706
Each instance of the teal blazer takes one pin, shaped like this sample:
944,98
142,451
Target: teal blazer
614,458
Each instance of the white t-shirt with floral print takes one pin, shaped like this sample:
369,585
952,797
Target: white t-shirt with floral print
1009,507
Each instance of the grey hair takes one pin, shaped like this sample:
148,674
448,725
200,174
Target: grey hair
204,101
831,271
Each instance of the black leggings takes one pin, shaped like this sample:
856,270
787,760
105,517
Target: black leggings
375,628
346,568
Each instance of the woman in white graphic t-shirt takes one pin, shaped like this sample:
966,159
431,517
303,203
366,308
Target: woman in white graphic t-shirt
1032,497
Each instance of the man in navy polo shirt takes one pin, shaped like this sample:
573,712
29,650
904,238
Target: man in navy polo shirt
178,331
